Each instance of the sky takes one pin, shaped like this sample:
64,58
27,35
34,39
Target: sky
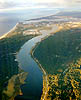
31,4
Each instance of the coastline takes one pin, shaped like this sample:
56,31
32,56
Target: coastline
45,76
38,18
18,78
44,91
5,34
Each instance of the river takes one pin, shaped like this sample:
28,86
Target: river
32,89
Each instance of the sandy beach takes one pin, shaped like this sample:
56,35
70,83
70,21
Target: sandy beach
4,36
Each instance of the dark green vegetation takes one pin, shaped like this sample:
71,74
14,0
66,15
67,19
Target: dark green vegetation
60,56
57,51
8,65
66,86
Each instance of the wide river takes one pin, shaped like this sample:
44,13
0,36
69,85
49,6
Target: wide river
32,90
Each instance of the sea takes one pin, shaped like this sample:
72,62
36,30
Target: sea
9,19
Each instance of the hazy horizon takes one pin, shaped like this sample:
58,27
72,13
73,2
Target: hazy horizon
10,5
9,19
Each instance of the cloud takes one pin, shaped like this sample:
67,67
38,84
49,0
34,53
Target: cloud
12,5
62,3
49,4
6,4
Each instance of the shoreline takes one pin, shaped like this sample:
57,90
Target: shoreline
18,69
38,18
45,80
5,34
32,51
18,79
45,76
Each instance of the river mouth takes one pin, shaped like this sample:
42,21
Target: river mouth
32,89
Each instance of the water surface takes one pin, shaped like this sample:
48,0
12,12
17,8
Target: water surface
9,19
34,82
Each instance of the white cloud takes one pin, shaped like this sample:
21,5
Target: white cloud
60,3
17,4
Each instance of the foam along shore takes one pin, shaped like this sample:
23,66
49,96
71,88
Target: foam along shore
5,35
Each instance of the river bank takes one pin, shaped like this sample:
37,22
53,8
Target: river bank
9,65
15,42
59,85
45,76
13,89
45,81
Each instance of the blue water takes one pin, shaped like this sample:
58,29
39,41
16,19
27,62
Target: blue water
32,89
9,19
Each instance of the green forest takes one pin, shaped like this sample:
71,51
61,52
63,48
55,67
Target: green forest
57,51
8,65
60,56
